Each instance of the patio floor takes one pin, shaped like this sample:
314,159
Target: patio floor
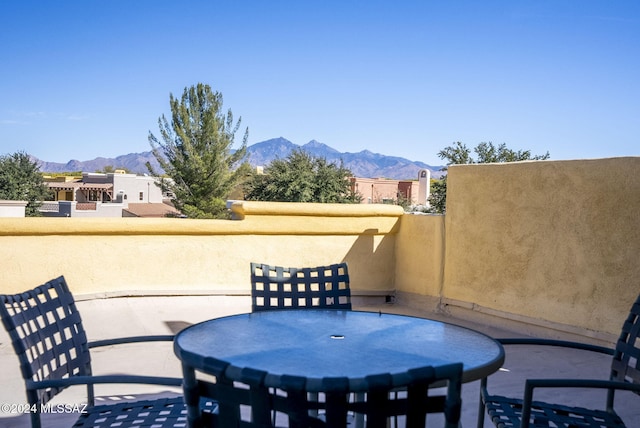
106,318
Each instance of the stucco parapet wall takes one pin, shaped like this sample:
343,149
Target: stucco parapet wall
251,208
259,219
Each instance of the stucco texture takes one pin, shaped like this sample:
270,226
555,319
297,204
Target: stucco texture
147,256
557,241
420,255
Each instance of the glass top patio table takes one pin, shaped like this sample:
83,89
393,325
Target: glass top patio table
332,343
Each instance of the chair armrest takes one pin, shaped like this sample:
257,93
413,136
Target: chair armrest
546,342
103,379
132,339
557,343
531,384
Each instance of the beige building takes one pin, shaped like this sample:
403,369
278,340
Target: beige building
386,191
115,194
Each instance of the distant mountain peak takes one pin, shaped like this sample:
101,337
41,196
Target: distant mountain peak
274,142
315,145
361,164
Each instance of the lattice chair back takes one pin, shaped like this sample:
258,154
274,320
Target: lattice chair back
47,335
322,287
508,411
626,359
249,401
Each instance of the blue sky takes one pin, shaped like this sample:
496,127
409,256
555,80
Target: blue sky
82,79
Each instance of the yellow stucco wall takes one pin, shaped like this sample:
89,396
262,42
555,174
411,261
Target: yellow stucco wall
420,255
132,255
557,241
547,242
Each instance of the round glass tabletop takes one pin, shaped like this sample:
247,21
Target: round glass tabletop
332,343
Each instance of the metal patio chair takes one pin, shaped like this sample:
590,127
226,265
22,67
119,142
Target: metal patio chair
322,287
48,337
506,412
249,398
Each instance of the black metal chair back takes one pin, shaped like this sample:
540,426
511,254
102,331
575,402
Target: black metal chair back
508,412
51,344
47,335
625,366
299,402
322,287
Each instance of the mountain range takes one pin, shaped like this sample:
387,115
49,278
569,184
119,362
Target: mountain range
362,164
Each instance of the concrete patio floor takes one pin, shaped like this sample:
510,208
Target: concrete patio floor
116,317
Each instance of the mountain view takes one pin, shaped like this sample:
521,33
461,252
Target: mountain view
362,164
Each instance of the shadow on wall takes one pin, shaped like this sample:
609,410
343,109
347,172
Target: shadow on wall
371,262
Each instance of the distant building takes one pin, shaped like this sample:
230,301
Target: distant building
386,191
12,208
116,194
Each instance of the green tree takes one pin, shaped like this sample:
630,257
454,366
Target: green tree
438,196
21,180
459,153
195,152
486,153
302,177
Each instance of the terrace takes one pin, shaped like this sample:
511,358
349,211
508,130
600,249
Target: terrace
546,249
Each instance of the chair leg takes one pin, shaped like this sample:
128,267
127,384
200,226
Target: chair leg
358,417
191,395
481,410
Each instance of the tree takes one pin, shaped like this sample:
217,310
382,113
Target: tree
487,153
21,180
438,196
196,153
302,177
459,153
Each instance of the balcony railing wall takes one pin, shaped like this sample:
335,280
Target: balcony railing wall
121,256
552,243
549,243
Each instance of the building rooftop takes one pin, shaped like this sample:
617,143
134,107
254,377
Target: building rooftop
124,316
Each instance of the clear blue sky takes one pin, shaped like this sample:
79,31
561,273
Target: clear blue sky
82,79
